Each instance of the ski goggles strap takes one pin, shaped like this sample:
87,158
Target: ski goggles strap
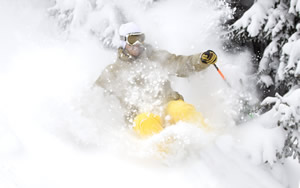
132,38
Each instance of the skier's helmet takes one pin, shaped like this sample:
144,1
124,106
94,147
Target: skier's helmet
130,33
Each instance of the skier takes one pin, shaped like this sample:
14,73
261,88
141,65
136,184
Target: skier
139,78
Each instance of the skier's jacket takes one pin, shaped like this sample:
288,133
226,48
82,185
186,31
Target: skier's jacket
142,84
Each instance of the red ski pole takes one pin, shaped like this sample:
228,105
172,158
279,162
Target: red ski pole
222,75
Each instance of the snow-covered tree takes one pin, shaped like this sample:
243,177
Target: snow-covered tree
287,108
102,18
239,7
276,24
99,17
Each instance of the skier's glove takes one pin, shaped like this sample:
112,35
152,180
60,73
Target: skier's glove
208,57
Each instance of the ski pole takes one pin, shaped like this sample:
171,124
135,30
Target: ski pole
222,75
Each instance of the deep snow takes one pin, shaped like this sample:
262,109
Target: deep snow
56,131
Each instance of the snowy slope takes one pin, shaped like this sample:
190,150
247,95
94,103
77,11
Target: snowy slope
55,131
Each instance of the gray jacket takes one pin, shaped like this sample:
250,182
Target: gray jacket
142,84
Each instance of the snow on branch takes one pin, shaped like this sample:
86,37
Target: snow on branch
295,7
254,19
287,108
275,23
271,22
293,50
99,17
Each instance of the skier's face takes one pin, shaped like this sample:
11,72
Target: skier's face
134,50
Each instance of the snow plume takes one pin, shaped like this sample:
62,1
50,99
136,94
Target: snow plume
102,18
59,131
80,16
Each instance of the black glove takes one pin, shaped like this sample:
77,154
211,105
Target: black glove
209,57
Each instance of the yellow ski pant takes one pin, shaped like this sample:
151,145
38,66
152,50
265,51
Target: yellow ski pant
147,124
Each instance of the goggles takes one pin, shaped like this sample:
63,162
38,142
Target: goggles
133,38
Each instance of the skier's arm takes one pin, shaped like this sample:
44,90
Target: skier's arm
184,66
106,80
106,77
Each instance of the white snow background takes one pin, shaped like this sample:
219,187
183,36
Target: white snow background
58,131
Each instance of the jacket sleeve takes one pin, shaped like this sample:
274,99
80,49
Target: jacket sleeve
106,77
180,65
107,80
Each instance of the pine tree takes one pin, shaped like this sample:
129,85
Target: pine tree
275,23
288,110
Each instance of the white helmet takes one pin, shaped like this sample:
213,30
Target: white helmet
126,29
